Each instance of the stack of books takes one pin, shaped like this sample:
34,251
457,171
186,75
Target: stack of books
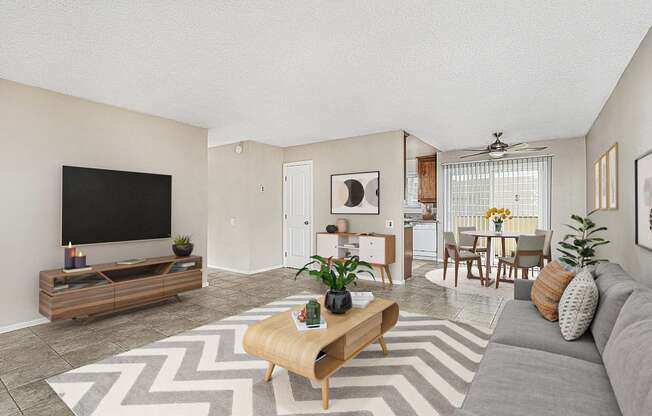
301,326
361,299
351,245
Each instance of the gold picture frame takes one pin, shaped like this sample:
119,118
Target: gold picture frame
596,184
604,182
606,192
612,177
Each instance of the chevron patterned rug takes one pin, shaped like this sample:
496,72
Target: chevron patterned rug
205,371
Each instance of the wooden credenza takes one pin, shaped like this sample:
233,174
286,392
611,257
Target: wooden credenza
377,249
115,287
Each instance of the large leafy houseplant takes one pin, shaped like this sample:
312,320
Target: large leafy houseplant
337,275
578,248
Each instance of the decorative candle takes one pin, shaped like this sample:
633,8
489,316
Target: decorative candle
80,260
69,254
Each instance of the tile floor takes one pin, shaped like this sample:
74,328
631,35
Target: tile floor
30,355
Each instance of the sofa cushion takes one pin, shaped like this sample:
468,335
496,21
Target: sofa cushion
614,286
520,325
577,306
514,381
628,355
612,271
548,288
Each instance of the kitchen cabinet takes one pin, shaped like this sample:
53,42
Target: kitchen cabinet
427,171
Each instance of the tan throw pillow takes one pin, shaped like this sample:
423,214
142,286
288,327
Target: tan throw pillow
548,289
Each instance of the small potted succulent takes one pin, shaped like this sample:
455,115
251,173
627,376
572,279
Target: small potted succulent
336,274
182,246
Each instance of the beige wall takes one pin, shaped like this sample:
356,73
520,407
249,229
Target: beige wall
568,181
626,119
382,151
41,131
245,231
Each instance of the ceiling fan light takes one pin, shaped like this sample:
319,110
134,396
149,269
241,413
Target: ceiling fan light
497,155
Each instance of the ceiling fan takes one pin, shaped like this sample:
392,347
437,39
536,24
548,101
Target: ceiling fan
498,149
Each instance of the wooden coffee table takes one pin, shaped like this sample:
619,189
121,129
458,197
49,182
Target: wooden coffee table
277,340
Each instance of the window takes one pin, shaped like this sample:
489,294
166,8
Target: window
412,185
522,185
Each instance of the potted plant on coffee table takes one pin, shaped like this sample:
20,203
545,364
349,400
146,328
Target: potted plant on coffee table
182,246
336,274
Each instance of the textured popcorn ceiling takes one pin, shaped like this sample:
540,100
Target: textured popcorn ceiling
289,72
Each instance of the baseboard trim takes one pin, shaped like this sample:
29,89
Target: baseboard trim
21,325
378,280
228,269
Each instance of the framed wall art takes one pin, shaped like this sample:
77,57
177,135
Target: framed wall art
612,177
356,193
596,185
643,200
604,182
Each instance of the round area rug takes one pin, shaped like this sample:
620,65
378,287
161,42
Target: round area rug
505,290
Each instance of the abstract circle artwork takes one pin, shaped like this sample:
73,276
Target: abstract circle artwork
355,193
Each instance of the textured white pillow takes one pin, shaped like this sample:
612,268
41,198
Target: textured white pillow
577,305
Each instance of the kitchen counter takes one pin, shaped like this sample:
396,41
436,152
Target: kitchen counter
419,221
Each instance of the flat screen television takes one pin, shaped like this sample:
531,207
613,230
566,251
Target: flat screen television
102,206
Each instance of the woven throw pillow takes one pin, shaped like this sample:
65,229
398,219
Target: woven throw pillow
577,305
548,288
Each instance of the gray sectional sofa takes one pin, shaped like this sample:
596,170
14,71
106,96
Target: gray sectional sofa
529,369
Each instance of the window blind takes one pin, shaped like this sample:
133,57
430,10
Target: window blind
522,185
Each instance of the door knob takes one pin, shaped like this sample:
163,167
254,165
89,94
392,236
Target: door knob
306,222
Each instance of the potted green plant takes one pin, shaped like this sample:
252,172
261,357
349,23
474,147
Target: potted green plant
578,248
336,274
182,246
427,215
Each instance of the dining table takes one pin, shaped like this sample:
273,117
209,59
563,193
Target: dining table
489,236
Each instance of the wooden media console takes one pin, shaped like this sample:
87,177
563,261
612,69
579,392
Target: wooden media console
112,287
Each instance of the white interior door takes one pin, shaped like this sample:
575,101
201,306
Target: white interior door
297,213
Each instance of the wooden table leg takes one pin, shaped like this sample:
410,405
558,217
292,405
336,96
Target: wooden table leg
381,341
488,273
270,369
382,274
324,393
469,273
389,275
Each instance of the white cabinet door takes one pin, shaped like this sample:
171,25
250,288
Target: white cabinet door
372,249
327,245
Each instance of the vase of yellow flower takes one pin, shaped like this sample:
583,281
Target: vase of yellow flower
498,216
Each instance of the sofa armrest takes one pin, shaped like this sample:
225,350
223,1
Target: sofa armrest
522,289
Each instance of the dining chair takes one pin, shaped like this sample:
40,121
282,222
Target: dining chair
547,251
547,255
452,250
467,241
528,254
